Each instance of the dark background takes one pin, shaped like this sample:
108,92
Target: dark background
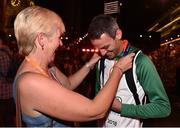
134,18
136,15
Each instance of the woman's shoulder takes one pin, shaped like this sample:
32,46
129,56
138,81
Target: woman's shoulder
30,78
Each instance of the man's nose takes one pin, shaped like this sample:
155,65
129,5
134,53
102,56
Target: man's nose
103,52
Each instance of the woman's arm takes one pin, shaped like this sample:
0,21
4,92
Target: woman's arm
74,80
48,97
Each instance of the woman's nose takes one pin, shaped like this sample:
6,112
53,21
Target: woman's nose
60,42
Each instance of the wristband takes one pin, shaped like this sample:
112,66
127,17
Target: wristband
119,68
88,66
119,99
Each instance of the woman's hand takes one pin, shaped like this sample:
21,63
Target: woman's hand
93,60
125,62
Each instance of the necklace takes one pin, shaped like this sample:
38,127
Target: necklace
37,66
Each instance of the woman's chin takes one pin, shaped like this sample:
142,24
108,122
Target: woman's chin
53,56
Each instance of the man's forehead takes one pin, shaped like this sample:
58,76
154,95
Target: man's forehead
104,35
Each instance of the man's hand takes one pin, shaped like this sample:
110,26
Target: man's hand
116,106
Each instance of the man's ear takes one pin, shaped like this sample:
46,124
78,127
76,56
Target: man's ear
118,34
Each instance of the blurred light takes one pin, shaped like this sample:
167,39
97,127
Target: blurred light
15,2
169,24
150,36
96,50
90,50
140,36
85,36
171,41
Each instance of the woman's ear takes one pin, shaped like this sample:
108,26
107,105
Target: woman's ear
41,39
118,34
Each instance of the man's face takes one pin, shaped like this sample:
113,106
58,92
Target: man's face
108,47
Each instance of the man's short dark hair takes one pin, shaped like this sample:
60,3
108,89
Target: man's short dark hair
102,24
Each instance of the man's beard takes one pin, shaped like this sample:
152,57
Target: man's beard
109,56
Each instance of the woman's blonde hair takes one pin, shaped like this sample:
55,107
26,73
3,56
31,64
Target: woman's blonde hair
31,21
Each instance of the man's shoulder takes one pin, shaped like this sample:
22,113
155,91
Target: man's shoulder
142,60
133,49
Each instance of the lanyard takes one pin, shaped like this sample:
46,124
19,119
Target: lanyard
126,48
36,65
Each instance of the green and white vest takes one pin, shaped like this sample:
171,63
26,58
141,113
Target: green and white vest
115,119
